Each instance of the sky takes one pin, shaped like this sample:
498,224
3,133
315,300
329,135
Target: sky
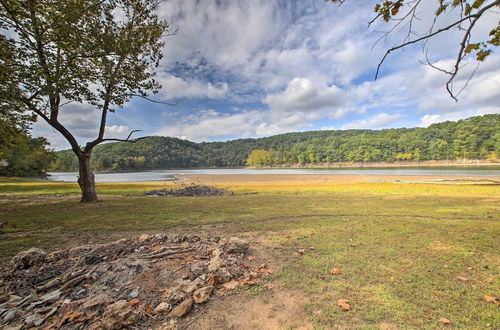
254,68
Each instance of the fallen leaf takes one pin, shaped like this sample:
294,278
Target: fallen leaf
343,303
250,258
336,271
444,321
302,251
491,299
149,309
269,286
462,278
134,302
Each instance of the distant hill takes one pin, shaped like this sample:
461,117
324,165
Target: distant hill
472,138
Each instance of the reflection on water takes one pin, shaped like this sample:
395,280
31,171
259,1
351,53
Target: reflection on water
162,175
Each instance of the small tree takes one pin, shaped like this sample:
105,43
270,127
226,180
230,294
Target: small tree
101,53
260,158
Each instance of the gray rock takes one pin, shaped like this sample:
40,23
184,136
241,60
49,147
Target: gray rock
176,294
134,293
198,268
235,271
28,258
236,245
224,275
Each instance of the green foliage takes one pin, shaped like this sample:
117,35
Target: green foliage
22,155
259,158
472,138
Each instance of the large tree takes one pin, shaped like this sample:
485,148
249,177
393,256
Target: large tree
96,52
460,16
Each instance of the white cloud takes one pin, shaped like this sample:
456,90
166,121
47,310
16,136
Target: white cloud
175,87
209,125
377,121
117,131
303,95
427,120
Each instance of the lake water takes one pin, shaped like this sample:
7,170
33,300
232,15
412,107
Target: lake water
162,175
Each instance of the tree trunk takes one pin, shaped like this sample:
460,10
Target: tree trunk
86,179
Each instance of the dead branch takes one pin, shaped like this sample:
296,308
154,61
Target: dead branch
166,253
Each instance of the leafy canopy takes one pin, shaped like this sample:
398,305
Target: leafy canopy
100,53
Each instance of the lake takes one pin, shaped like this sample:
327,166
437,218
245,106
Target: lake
162,175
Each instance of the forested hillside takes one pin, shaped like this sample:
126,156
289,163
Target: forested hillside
472,138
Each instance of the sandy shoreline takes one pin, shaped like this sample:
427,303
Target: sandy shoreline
315,178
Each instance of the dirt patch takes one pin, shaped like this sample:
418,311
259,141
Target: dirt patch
151,281
274,309
189,191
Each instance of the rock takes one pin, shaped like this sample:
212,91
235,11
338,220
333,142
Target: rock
224,275
175,295
216,252
134,293
235,271
202,295
231,285
188,286
119,315
182,309
215,264
28,258
236,245
198,268
162,308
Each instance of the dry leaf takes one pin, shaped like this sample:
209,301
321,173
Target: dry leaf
336,271
134,302
343,303
444,321
149,309
269,286
250,258
491,299
462,278
302,251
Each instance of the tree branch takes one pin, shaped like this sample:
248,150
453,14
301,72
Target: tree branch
474,17
128,138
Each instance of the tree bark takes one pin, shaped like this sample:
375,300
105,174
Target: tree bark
86,179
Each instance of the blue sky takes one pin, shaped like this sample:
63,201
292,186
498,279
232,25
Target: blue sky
258,68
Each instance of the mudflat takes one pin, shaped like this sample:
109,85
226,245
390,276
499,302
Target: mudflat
317,178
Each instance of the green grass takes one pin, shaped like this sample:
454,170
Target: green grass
401,247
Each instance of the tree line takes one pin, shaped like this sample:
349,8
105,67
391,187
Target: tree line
472,138
20,154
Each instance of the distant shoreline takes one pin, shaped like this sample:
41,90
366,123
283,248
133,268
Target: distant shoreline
343,165
423,163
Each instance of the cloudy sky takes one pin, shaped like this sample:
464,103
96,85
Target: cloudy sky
262,67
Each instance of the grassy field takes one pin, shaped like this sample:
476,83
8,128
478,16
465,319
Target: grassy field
410,254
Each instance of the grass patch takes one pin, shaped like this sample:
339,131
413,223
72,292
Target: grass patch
404,250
